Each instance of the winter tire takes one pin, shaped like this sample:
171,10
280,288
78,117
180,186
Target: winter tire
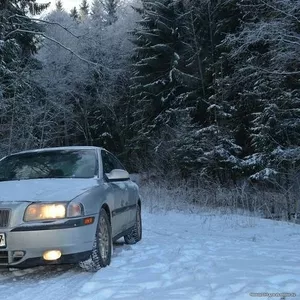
102,248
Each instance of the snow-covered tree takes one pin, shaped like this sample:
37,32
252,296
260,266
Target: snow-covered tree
74,13
213,89
97,10
110,7
84,85
182,113
209,146
84,9
59,5
158,61
18,42
266,62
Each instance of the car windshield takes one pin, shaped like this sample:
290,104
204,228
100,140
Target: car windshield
49,164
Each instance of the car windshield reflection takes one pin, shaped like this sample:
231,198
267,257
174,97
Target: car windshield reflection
49,164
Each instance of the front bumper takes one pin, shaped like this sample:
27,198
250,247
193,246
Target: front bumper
39,261
75,243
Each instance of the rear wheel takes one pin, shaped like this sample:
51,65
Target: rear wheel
135,235
102,248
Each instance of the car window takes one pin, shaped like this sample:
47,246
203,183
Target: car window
49,164
110,162
117,163
107,162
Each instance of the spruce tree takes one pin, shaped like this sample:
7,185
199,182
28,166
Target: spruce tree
74,13
59,5
266,85
84,9
110,8
157,59
208,146
18,92
96,9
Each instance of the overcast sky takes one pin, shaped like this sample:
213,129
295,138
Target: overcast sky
68,4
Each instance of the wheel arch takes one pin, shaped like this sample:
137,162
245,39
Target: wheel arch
108,211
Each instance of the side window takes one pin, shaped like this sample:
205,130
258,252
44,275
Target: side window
110,162
116,162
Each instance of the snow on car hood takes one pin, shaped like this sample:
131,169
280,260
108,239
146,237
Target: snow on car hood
44,189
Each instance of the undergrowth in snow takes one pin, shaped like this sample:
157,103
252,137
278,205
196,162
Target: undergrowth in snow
199,197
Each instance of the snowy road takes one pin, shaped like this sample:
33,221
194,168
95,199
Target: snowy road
180,257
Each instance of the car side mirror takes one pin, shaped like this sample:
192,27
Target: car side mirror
117,174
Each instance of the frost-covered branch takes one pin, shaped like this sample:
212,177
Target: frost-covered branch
285,13
278,73
45,22
55,41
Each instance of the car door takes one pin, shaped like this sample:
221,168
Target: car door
118,190
133,198
130,188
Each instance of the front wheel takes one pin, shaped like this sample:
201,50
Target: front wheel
135,235
102,248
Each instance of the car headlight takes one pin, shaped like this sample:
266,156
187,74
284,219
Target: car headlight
43,211
75,210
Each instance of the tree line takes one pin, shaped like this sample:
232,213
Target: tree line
204,88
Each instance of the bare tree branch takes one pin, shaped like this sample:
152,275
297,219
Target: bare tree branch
281,11
44,21
57,42
291,42
279,73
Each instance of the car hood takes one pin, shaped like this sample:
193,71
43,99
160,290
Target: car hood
40,190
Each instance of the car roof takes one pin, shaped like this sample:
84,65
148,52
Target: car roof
61,148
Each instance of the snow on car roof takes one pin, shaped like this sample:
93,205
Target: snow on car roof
60,148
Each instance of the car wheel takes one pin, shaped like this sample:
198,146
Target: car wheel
135,235
102,248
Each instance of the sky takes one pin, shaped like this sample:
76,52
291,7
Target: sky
68,4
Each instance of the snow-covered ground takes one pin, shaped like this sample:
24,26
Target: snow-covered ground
181,256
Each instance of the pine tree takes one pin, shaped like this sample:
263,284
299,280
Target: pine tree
276,126
96,9
59,5
201,124
158,61
110,7
264,81
18,92
208,144
183,112
74,13
84,9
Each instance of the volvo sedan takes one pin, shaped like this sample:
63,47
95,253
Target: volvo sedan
65,205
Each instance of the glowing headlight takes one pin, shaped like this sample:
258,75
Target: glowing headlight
44,211
36,212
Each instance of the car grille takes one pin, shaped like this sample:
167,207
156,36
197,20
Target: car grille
3,257
4,217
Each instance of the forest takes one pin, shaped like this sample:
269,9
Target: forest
197,90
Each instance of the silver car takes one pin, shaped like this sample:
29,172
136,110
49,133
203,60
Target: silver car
65,205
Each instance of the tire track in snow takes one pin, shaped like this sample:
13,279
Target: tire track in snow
46,283
180,257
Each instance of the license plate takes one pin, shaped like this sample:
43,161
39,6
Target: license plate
2,240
